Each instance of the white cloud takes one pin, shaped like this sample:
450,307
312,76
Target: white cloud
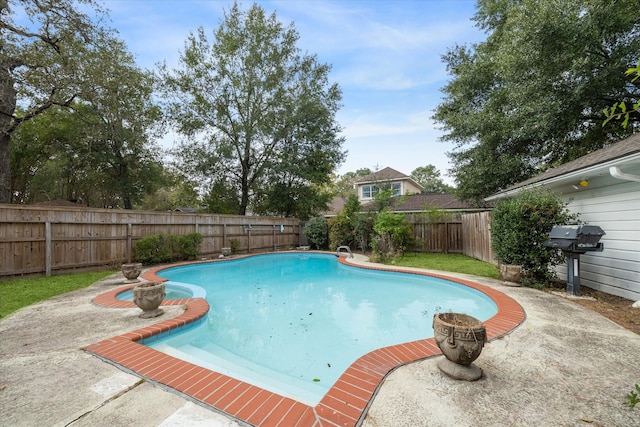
365,125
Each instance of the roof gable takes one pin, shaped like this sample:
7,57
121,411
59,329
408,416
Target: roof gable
386,174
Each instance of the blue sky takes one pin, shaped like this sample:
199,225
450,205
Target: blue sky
385,55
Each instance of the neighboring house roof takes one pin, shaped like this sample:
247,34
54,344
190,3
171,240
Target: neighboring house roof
597,164
386,174
185,209
414,203
336,205
425,202
409,202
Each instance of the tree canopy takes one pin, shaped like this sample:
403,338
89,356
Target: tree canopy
67,154
343,185
429,177
532,95
257,116
40,64
76,105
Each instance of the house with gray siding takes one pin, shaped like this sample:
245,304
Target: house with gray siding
604,188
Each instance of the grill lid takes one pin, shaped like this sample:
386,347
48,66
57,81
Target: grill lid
576,232
575,238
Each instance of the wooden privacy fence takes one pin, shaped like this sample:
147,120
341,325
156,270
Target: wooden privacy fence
477,236
44,239
444,236
468,235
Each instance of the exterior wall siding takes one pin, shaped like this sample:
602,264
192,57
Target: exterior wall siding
409,188
616,208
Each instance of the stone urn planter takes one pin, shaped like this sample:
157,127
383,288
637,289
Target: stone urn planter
131,272
149,296
460,337
510,273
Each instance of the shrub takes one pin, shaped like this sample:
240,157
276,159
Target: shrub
154,249
317,232
235,245
393,236
188,245
163,248
340,232
519,228
350,227
363,231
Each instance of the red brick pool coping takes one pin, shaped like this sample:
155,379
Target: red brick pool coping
343,405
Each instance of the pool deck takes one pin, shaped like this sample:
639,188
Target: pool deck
564,365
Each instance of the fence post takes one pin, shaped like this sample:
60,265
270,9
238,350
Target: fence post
273,236
446,237
129,242
48,248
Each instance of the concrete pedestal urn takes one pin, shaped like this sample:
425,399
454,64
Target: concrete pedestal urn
460,337
149,296
131,272
510,273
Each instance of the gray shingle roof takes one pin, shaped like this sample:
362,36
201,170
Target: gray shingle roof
385,174
614,151
415,203
423,202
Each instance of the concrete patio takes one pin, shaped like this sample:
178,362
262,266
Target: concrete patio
565,365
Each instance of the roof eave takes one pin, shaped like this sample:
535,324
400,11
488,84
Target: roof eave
566,177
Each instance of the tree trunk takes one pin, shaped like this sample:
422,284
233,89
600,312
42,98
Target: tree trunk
244,197
8,102
5,168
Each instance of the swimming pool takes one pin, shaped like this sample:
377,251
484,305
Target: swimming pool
293,323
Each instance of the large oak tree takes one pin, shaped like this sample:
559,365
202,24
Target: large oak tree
124,121
97,144
532,95
258,116
41,64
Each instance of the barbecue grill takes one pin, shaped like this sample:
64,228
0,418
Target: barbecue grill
575,240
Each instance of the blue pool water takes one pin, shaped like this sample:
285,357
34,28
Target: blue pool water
293,323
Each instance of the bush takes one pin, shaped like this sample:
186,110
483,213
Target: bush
163,248
188,245
317,232
350,227
154,249
393,236
519,228
235,245
340,232
363,231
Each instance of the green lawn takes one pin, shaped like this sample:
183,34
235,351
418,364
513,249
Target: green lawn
18,293
456,263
